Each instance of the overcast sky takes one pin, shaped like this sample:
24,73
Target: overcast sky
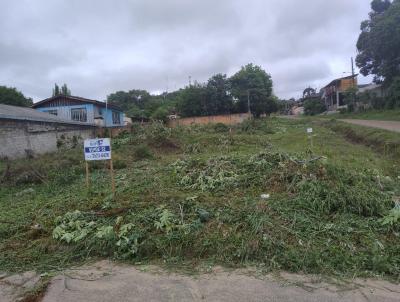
101,46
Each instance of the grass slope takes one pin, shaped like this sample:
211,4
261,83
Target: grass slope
382,141
190,195
379,115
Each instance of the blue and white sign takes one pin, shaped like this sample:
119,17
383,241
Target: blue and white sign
97,149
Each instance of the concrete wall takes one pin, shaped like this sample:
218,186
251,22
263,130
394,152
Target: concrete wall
16,137
228,119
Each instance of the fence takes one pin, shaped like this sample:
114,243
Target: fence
228,119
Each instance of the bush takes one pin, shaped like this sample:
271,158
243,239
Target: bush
314,106
161,114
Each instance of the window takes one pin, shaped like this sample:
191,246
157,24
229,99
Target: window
79,115
116,118
53,112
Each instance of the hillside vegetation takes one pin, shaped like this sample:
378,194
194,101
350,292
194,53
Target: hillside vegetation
258,194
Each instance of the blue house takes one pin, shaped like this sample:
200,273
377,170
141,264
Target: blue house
82,110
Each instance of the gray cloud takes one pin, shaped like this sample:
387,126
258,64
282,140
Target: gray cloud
100,46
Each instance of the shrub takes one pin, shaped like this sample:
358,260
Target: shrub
314,106
161,114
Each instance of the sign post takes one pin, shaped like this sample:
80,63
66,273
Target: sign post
87,176
98,149
310,136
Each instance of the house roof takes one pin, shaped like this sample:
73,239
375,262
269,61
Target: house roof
335,81
27,114
75,99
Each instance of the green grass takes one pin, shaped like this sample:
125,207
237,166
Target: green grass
197,198
384,142
380,115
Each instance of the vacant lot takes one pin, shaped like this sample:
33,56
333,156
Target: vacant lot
260,194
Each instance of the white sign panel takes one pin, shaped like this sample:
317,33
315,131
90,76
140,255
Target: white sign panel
97,149
309,130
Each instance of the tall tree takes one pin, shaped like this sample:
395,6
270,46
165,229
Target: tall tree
63,91
127,100
379,42
11,96
193,101
56,90
252,85
219,99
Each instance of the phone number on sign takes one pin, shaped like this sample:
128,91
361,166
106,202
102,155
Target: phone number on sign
98,155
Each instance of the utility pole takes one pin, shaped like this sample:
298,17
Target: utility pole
354,81
190,81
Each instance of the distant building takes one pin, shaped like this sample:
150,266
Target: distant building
333,94
375,89
82,110
28,132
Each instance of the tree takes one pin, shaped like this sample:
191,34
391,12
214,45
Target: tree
160,114
379,42
252,84
193,100
379,6
219,99
131,102
308,92
56,90
63,91
11,96
350,98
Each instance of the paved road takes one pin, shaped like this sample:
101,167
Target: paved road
387,125
105,281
